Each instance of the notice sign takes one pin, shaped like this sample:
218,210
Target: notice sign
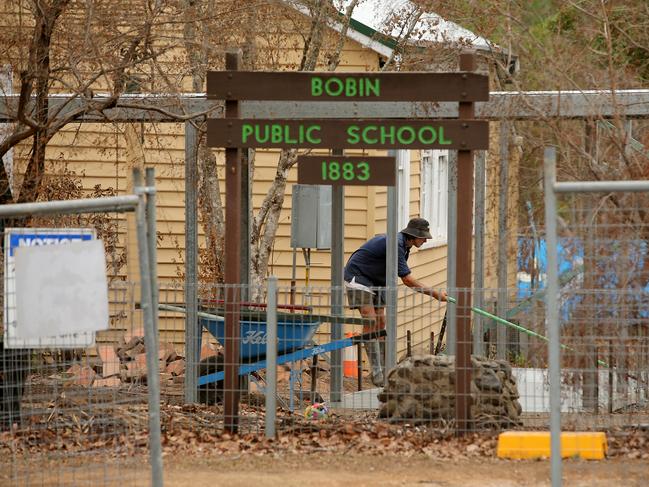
21,238
350,170
349,134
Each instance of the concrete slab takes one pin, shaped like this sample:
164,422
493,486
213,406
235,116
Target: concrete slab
534,389
366,399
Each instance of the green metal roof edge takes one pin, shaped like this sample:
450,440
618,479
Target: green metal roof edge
366,30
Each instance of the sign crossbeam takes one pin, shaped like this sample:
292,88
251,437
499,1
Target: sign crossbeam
369,86
349,134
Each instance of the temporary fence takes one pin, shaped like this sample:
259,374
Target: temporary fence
289,380
597,320
279,359
80,406
307,379
308,335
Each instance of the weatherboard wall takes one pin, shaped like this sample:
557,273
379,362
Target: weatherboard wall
103,155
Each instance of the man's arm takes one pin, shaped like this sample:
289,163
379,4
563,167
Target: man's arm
411,282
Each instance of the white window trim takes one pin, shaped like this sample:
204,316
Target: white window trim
434,208
403,176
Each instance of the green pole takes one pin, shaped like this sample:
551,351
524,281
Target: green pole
502,321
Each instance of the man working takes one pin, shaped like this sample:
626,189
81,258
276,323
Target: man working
365,283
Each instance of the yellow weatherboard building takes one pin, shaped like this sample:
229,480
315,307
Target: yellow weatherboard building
101,155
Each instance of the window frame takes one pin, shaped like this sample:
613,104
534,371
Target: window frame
434,195
403,198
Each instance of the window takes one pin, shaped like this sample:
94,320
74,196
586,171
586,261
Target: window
434,193
403,174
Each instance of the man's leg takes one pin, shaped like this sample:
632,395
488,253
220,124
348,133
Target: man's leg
374,313
380,320
364,302
373,348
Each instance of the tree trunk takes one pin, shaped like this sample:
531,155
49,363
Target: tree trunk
46,17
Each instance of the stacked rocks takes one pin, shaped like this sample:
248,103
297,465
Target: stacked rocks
421,388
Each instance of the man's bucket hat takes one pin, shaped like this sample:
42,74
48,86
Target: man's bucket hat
417,227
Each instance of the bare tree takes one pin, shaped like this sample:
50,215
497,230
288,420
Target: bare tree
255,24
582,45
74,48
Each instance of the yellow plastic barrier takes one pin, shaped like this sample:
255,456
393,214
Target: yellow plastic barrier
536,444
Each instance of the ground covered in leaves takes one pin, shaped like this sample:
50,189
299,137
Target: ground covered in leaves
76,445
197,429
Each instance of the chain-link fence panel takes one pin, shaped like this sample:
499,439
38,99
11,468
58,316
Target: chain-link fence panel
75,378
603,311
309,383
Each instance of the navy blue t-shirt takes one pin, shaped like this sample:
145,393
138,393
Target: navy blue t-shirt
368,263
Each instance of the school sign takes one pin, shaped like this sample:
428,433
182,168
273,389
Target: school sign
463,134
348,133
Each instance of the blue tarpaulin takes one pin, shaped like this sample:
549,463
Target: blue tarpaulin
620,275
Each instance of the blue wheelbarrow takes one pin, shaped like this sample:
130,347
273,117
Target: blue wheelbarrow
295,333
292,333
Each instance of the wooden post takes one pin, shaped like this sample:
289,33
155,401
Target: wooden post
463,265
232,265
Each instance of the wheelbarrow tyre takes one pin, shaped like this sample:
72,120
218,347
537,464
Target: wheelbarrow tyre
212,393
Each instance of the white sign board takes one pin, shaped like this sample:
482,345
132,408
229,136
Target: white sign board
61,289
27,237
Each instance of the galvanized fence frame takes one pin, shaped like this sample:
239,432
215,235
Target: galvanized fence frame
142,203
552,188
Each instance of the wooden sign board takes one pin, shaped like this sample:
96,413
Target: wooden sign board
315,86
349,133
346,170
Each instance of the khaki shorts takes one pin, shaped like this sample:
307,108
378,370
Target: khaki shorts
357,298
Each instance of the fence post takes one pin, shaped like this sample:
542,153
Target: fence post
478,260
150,333
337,280
192,329
152,243
233,163
463,251
503,203
552,316
391,271
451,254
271,358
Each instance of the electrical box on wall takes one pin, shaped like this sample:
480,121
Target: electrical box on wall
311,217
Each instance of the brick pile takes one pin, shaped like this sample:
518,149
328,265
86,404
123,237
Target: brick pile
125,363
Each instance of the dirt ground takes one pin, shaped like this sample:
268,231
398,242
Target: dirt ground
329,470
360,470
